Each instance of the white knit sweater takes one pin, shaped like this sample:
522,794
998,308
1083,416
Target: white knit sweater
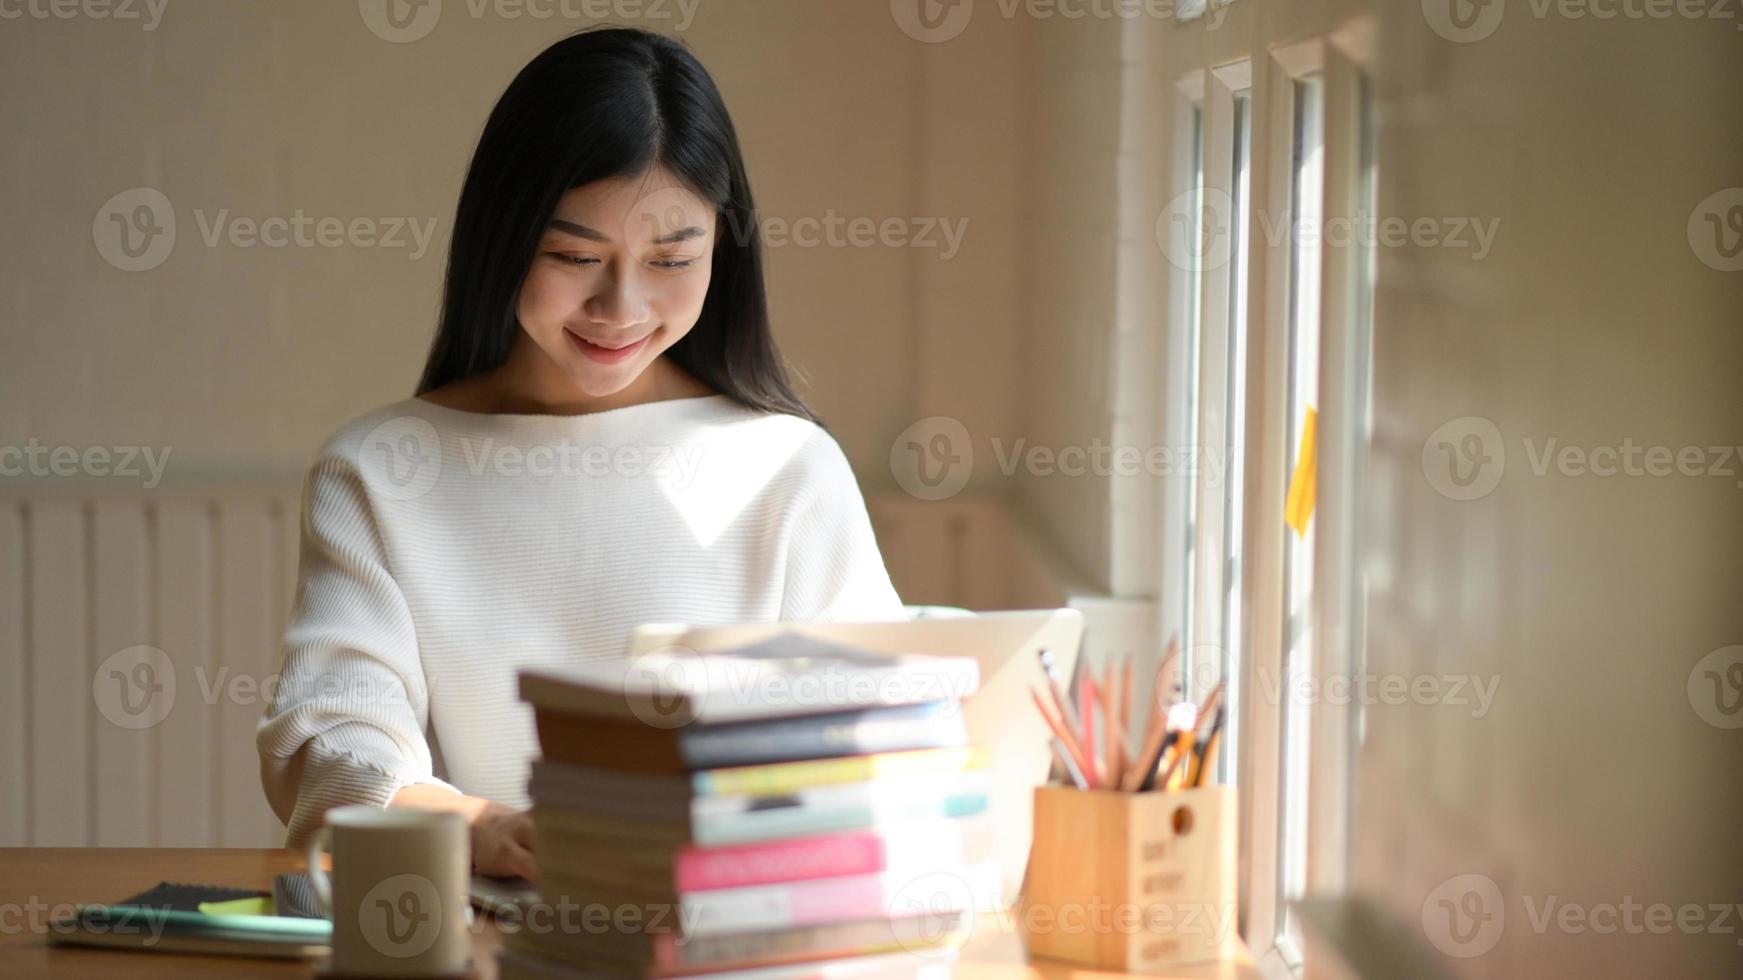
443,551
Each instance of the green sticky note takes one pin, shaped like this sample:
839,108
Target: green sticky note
239,906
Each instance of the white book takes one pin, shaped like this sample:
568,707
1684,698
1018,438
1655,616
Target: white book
787,674
969,889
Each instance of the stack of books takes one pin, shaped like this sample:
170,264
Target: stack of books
791,808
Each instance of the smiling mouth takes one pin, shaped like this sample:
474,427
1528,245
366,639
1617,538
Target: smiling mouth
604,346
600,352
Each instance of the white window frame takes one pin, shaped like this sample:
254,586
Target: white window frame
1344,387
1264,46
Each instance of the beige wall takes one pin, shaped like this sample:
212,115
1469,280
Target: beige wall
1075,97
1593,321
242,359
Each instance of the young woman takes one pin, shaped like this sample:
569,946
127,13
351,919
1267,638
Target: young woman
604,436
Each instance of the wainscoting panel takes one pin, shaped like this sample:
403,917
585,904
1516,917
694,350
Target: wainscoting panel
59,711
14,692
252,596
122,757
139,637
187,625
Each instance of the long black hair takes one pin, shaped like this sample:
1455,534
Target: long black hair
607,102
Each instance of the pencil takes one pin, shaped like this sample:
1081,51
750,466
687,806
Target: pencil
1068,723
1212,702
1207,757
1109,692
1173,777
1180,718
1187,738
1153,730
1125,704
1056,687
1155,740
1086,715
1071,769
1065,739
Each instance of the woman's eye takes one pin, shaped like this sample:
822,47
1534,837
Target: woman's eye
586,260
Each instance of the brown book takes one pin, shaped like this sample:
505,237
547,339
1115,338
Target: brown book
637,747
586,741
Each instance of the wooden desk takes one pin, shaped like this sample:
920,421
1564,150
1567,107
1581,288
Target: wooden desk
33,881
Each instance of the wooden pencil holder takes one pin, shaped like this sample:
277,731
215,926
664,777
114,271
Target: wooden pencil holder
1131,881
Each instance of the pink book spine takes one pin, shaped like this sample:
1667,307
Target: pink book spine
798,859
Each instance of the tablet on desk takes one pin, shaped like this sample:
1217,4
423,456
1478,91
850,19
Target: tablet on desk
505,898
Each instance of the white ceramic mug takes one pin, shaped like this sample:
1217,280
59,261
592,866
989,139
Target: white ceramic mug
397,893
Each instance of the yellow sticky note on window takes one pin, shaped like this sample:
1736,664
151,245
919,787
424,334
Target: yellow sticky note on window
1299,507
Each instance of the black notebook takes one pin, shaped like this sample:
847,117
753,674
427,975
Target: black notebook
187,898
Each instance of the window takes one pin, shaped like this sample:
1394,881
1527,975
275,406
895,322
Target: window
1209,245
1304,219
1233,451
1362,401
1271,141
1200,231
1346,373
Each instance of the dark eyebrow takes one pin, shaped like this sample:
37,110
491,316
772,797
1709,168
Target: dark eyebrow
579,231
582,231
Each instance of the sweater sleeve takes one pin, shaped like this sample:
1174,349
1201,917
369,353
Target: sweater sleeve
346,721
834,569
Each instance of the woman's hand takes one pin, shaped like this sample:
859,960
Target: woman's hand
502,843
502,837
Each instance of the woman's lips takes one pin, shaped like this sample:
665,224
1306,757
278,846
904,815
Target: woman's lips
605,355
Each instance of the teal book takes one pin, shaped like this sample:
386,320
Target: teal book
175,931
769,819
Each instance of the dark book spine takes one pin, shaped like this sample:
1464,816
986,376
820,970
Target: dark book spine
922,726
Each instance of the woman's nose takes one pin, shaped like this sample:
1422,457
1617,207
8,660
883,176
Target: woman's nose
619,303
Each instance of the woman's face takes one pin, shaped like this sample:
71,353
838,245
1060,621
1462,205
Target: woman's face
619,277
